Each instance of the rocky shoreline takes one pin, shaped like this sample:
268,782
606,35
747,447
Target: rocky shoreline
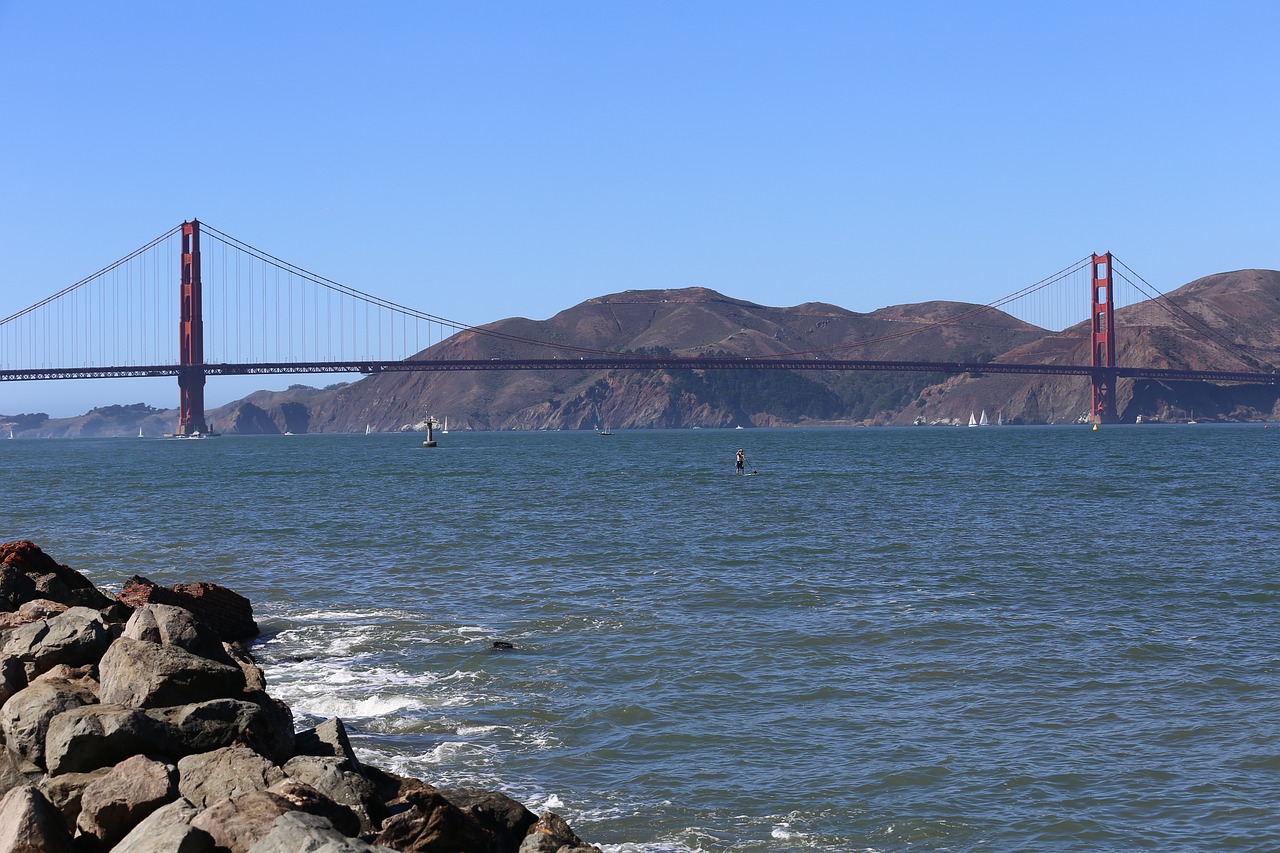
140,723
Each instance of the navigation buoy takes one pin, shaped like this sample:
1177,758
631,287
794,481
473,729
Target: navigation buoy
1095,427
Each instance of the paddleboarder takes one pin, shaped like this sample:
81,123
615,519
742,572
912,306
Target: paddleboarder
741,465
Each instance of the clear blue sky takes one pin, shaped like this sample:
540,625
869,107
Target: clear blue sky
485,160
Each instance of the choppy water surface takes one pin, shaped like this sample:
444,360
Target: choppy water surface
912,639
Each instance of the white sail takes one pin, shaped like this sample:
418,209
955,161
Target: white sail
983,420
973,422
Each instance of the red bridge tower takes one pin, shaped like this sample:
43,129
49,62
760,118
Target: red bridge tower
1103,337
191,336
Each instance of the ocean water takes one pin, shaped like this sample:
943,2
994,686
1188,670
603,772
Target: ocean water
885,640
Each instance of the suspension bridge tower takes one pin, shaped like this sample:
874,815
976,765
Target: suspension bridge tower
191,336
1103,336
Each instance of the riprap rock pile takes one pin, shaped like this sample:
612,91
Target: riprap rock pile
141,724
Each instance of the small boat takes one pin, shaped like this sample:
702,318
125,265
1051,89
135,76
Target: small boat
999,418
739,426
603,431
973,422
445,431
139,433
983,420
368,430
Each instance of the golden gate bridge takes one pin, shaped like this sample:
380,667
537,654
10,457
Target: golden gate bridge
242,311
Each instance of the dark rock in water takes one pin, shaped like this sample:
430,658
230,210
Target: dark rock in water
552,835
433,823
507,820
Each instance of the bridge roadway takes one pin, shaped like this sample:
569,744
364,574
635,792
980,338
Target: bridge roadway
636,362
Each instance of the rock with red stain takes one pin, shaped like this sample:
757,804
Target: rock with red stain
228,613
27,574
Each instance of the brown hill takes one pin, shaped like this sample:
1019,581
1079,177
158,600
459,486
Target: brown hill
693,321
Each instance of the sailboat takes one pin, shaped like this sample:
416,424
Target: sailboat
445,431
973,422
139,432
368,429
999,418
983,420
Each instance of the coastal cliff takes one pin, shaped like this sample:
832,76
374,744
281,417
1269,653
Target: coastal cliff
140,723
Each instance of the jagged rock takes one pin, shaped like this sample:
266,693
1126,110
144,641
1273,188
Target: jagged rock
330,777
207,777
16,771
66,790
13,677
27,573
277,725
24,719
552,835
117,801
141,674
329,739
229,614
432,824
300,832
167,830
507,820
168,625
30,824
76,636
31,611
254,679
239,822
93,736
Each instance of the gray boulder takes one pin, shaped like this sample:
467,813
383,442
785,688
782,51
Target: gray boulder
30,824
552,835
24,719
167,830
118,800
254,679
329,777
239,822
300,832
66,790
329,739
16,771
207,777
140,674
76,636
167,625
93,736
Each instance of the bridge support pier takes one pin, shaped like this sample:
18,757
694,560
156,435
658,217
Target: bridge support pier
191,336
1103,341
